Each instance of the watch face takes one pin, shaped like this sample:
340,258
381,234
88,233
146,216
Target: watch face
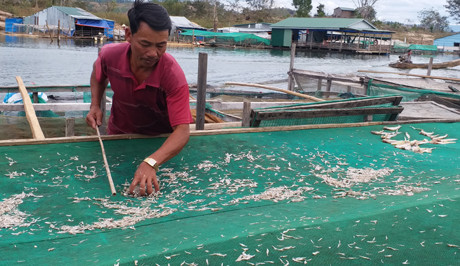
152,163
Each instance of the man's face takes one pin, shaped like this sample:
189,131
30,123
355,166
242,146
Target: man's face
147,45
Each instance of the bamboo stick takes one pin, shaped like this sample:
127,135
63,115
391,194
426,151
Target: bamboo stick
37,132
107,169
275,89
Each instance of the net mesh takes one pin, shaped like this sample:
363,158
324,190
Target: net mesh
339,118
231,37
409,95
322,196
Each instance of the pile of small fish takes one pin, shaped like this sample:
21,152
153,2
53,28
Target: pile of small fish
412,145
10,215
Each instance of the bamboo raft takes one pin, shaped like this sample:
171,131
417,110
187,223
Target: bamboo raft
447,64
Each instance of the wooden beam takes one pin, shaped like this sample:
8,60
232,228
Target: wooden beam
273,115
16,142
37,132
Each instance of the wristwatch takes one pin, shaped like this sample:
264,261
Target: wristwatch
152,162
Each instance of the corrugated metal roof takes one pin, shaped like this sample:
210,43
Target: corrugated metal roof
76,12
450,37
346,8
183,22
322,23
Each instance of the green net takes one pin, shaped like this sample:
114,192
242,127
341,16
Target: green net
404,47
325,196
270,116
233,37
409,95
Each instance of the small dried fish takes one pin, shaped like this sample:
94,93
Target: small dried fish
245,256
392,128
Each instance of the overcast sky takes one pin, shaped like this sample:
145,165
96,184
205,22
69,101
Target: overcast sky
403,11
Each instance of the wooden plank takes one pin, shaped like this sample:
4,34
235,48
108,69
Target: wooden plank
16,142
270,115
51,88
55,107
275,89
37,132
407,74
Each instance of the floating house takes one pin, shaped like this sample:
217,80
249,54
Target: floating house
180,24
344,12
342,34
263,30
70,21
448,41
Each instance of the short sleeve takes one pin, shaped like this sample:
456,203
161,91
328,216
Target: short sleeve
179,106
100,68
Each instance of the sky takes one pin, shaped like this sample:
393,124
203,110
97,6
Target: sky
403,11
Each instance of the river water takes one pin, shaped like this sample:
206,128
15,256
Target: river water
41,62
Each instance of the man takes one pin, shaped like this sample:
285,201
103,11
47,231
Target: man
151,94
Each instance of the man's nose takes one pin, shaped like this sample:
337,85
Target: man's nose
152,52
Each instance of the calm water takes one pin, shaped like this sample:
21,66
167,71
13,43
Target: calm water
41,62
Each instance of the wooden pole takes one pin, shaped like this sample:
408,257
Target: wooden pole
320,84
246,114
430,66
275,89
30,112
201,90
328,87
70,127
291,81
107,169
406,74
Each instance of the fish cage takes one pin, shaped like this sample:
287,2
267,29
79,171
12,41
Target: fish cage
335,195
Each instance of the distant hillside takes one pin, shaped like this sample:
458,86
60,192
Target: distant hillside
454,28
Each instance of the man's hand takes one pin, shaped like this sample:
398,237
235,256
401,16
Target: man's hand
94,117
145,177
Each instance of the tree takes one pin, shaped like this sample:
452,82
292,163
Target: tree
320,11
258,4
365,9
453,7
303,7
432,20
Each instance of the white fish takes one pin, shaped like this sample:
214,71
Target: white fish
392,128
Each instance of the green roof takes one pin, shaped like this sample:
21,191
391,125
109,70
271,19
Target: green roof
76,12
321,23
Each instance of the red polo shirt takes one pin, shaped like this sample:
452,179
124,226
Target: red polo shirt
153,107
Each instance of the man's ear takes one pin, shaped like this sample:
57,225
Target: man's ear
128,34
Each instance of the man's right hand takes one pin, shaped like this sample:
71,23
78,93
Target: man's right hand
94,117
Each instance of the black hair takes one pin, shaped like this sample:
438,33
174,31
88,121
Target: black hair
154,15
